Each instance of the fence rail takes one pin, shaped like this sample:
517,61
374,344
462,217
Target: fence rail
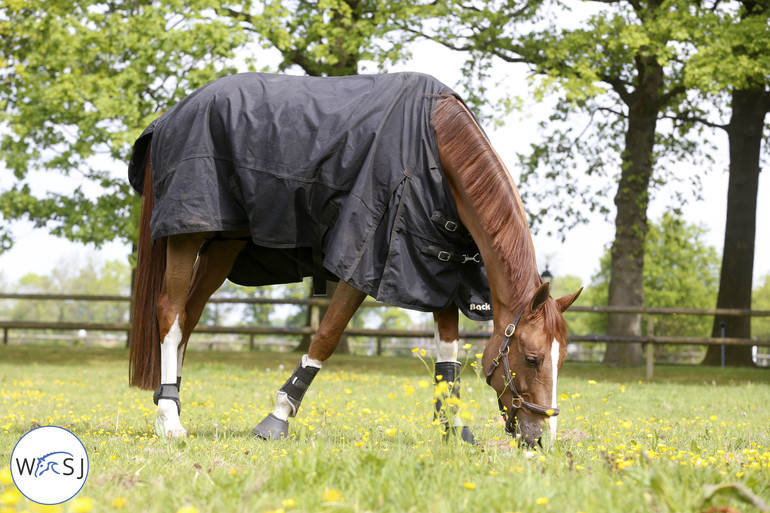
649,340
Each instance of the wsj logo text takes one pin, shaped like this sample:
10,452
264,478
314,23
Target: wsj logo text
58,463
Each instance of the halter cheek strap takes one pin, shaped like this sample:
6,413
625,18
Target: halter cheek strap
517,401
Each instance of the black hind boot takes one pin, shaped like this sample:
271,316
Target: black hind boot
275,428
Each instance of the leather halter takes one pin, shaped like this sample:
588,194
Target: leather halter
517,401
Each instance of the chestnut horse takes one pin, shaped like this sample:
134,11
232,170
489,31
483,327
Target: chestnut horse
521,359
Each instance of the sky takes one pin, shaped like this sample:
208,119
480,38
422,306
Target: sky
578,255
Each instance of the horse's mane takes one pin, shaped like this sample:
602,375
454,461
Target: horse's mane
496,201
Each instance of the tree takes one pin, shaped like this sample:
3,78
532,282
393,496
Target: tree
736,59
680,271
618,75
79,79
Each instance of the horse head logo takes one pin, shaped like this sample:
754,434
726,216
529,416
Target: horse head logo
50,462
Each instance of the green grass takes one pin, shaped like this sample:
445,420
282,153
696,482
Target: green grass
364,439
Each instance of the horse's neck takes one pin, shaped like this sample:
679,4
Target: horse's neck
490,208
507,251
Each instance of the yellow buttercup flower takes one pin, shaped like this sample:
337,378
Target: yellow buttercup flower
10,497
82,505
469,486
442,388
119,502
5,476
331,495
187,509
288,503
541,501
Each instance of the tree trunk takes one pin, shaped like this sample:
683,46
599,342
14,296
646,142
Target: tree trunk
749,107
631,199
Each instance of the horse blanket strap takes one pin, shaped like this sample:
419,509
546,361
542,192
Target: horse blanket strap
447,224
448,256
517,401
169,391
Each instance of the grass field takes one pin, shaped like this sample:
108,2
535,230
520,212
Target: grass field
694,439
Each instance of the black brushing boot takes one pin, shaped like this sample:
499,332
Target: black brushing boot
169,391
273,428
449,372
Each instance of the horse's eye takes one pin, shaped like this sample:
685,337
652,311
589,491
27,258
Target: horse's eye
532,361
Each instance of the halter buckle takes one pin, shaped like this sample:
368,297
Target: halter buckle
474,258
510,329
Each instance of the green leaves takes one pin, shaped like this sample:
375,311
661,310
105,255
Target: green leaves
79,81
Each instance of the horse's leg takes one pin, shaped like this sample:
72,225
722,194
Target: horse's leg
344,304
447,334
180,259
211,270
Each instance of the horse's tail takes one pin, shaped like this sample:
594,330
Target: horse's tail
144,337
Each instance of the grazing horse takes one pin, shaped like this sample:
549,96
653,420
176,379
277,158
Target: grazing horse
385,183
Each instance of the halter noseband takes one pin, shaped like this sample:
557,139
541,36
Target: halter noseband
517,401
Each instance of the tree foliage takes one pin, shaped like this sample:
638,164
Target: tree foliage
79,79
70,276
329,37
681,271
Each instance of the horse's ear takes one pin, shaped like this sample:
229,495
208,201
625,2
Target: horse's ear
566,301
541,296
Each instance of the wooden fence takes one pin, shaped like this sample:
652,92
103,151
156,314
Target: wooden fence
650,340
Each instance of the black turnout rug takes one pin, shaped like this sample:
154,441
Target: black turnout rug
335,177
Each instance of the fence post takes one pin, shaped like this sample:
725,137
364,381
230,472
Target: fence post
5,336
650,347
315,316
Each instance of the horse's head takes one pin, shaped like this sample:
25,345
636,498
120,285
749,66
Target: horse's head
522,364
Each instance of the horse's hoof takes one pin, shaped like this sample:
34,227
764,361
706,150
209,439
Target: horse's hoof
176,433
271,428
466,435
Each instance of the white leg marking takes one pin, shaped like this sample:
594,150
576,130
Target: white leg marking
555,350
179,361
167,411
446,351
283,407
